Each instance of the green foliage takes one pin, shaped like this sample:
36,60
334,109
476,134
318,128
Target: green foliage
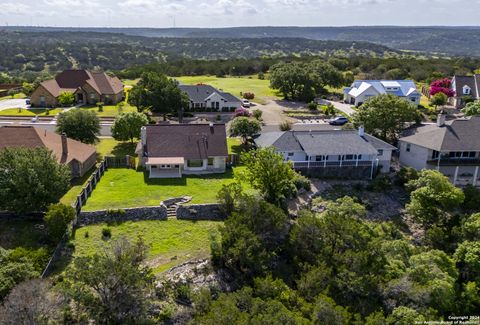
244,127
159,94
405,316
329,110
31,179
326,311
439,99
472,108
57,219
228,197
405,175
381,183
267,172
467,257
471,227
79,124
111,286
385,116
106,233
472,198
66,98
312,106
285,126
257,114
100,106
127,126
28,88
432,198
14,270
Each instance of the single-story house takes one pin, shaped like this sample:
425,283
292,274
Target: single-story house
207,98
88,87
78,156
173,150
331,153
361,90
451,147
465,87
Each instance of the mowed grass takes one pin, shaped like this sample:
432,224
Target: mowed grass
110,110
125,188
30,112
235,85
171,242
16,96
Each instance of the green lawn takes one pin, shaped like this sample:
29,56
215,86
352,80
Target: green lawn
30,112
171,242
110,110
130,82
235,85
235,146
16,96
124,188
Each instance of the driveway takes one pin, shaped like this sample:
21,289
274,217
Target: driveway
345,108
12,103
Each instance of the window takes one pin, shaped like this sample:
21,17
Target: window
195,163
42,99
413,99
92,95
319,158
435,154
409,147
349,157
210,161
466,90
290,154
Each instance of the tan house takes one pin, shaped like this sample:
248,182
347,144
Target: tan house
78,156
88,87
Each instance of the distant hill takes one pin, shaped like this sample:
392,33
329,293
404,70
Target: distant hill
459,41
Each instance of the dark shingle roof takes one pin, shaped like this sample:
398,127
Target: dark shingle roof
471,81
199,93
456,135
190,141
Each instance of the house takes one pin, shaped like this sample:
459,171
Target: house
331,153
208,98
88,87
361,90
78,156
173,150
465,87
451,147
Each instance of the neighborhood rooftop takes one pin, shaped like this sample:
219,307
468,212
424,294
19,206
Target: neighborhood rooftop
402,88
199,93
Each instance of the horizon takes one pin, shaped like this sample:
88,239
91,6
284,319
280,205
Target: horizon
240,26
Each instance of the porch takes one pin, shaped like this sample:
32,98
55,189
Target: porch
168,167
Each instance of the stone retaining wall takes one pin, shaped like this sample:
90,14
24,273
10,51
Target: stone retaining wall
200,212
122,215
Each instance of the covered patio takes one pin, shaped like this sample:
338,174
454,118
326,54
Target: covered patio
165,167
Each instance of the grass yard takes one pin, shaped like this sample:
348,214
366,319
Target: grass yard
16,96
171,242
110,110
124,188
130,82
235,146
235,85
30,112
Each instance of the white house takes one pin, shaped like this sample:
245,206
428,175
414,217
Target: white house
173,150
361,90
465,87
451,147
331,153
208,98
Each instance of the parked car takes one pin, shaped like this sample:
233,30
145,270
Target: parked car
246,103
339,120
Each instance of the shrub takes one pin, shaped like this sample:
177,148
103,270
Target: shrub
242,112
380,184
249,95
261,76
227,197
100,106
285,126
405,175
312,106
66,98
183,293
472,198
257,114
106,233
301,182
86,234
57,218
329,110
218,117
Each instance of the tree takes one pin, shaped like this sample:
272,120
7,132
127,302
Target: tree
472,108
267,172
293,80
432,197
127,126
112,286
12,92
31,179
13,271
66,98
57,219
467,257
28,88
405,316
385,116
79,124
244,127
159,94
442,86
439,99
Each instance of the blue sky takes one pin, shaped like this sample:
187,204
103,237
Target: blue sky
226,13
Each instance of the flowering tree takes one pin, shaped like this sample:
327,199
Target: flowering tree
242,112
442,86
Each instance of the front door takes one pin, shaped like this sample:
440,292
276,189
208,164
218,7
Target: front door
80,98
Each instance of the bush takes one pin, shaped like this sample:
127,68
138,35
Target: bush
248,95
100,106
312,106
285,126
329,110
227,197
57,218
381,183
405,175
301,182
106,233
257,114
242,112
183,293
66,98
261,76
472,198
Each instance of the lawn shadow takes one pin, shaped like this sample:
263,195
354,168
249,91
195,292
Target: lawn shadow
229,174
123,149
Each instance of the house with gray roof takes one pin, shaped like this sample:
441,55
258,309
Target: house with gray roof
451,147
465,87
207,98
331,153
361,90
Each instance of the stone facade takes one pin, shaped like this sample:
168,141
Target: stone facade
201,212
131,214
49,99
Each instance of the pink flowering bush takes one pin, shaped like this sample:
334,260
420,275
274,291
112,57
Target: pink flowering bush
442,86
242,112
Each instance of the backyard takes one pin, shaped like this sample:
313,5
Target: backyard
171,242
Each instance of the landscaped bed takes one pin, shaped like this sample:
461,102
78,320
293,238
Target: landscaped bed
171,242
125,188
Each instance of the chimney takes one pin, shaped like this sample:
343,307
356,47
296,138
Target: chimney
441,119
64,144
361,131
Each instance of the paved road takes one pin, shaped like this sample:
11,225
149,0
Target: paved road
345,108
12,103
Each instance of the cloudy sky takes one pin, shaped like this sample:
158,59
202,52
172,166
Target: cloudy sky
224,13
